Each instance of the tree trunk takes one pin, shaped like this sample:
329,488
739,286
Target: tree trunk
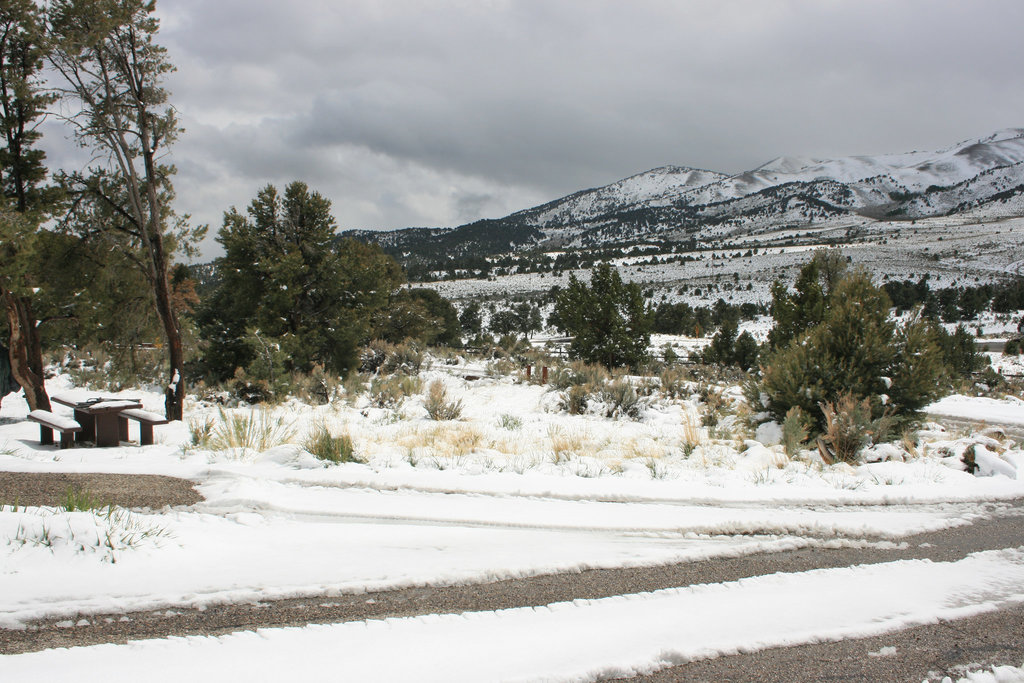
25,350
174,400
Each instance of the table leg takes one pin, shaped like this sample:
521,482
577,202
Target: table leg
88,423
107,430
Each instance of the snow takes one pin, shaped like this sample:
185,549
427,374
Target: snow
569,641
60,421
458,502
1008,411
998,674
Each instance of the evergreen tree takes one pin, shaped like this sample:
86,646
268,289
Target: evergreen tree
113,72
796,312
856,350
471,319
608,319
959,351
25,203
285,278
420,315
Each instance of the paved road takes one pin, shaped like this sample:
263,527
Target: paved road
996,638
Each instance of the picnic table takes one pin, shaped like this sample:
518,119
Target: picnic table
100,418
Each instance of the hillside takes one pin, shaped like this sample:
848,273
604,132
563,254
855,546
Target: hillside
982,177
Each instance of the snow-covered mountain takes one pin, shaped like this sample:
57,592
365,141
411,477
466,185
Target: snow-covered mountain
983,177
984,174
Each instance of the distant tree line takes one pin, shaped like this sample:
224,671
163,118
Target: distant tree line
951,304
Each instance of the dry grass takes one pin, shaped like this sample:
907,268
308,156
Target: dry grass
437,404
691,433
452,440
565,443
643,449
256,430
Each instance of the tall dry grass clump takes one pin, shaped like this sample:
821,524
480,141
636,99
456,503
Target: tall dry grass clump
847,426
437,404
255,430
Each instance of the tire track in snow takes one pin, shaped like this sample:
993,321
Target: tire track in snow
947,545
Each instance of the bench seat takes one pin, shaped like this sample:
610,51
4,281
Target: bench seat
146,421
48,422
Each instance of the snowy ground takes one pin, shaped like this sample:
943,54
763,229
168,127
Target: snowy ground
516,487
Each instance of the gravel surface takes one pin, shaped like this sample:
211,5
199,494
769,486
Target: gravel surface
125,490
921,653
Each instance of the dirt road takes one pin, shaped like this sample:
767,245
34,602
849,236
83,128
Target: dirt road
927,652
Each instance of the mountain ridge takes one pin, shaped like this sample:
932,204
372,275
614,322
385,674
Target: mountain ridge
983,176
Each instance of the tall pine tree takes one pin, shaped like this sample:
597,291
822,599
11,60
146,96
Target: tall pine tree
113,72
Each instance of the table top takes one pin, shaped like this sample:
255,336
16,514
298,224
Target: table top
98,404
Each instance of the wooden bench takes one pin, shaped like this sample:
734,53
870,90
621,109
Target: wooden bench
50,421
146,421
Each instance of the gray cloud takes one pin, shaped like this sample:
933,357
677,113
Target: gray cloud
411,113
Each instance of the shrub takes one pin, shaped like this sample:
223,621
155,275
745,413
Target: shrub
574,399
437,404
389,392
620,398
373,356
674,382
354,385
579,373
252,391
336,449
406,358
501,367
316,387
510,422
713,402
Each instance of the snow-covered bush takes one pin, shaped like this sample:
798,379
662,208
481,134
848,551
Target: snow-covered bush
619,398
389,392
574,399
579,373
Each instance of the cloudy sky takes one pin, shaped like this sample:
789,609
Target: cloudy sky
421,113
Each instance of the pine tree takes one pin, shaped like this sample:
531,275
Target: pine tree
858,351
608,319
285,277
25,202
113,72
